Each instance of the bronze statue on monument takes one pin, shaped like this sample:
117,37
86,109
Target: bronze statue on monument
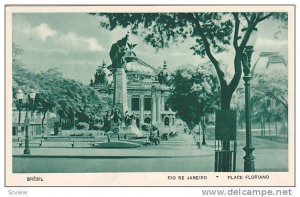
121,121
118,52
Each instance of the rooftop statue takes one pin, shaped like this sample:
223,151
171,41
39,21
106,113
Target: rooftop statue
163,77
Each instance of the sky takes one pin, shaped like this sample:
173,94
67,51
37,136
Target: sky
76,45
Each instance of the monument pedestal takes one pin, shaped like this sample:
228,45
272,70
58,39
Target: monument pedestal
120,102
120,91
130,130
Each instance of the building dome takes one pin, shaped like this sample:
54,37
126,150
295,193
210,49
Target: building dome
103,75
134,65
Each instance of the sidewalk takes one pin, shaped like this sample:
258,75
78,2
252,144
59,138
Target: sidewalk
182,145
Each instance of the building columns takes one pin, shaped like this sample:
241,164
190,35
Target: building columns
158,109
153,109
162,103
141,108
129,103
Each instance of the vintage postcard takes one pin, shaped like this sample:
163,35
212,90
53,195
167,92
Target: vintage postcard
150,95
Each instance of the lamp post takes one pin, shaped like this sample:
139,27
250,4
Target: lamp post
203,130
246,60
19,96
31,97
199,137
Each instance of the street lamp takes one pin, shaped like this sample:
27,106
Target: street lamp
31,97
203,130
32,94
19,96
246,60
199,137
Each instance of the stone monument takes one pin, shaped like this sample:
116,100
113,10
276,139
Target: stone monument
120,91
118,52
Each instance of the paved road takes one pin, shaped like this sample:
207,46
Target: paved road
82,165
179,154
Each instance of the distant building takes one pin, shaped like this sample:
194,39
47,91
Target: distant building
35,124
267,62
35,121
146,88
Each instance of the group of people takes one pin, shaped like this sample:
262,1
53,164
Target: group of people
154,137
115,118
164,136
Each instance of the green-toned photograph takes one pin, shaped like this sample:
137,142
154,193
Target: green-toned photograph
116,92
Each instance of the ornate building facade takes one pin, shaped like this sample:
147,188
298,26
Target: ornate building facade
146,89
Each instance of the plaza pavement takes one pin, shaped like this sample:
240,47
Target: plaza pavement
179,154
183,145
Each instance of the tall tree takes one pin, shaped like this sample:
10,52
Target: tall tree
270,95
194,92
211,31
49,89
64,96
273,86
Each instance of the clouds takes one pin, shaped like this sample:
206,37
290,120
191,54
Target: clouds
48,42
43,37
272,45
93,45
43,31
75,42
23,29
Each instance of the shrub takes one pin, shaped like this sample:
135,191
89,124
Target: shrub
97,127
82,126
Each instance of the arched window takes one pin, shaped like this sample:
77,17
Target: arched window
167,121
